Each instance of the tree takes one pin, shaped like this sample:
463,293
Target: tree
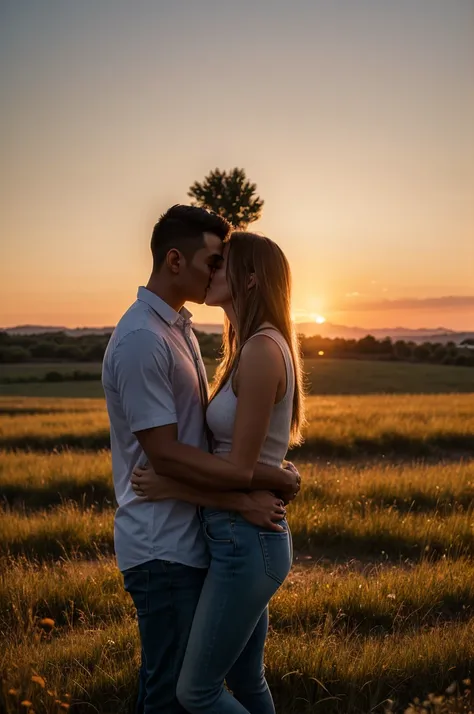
402,350
439,353
44,349
367,345
230,194
14,353
422,353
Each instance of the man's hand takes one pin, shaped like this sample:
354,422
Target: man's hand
264,509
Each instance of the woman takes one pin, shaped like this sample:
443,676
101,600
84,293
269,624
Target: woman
255,413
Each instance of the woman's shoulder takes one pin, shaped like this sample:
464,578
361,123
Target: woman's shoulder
263,354
270,333
260,343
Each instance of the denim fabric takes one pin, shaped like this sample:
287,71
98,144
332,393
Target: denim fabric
165,596
248,565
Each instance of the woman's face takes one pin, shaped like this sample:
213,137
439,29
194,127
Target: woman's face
218,293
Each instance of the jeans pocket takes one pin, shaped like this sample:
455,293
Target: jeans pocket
136,583
219,530
276,554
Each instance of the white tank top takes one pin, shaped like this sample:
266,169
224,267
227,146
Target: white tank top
222,408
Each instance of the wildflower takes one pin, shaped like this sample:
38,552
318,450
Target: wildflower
39,680
47,622
26,703
13,692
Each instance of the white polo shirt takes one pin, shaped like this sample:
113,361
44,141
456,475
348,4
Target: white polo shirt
150,378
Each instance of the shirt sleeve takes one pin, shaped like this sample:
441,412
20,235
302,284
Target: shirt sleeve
142,368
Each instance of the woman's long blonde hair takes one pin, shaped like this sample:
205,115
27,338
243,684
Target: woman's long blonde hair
268,301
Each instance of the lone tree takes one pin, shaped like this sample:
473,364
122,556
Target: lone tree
230,194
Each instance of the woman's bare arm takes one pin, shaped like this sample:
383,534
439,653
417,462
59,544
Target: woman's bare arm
261,370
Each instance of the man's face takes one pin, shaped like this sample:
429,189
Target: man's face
201,268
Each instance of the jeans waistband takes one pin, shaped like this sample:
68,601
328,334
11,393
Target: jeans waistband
205,513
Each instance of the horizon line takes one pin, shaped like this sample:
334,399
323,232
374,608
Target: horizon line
439,329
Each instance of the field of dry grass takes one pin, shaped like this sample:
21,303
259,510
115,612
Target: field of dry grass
379,606
342,426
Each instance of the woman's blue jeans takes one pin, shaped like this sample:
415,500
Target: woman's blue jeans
248,565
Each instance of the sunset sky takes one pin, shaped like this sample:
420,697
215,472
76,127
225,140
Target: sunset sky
354,117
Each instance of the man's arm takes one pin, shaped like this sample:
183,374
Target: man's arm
272,478
197,468
192,466
142,368
262,508
145,482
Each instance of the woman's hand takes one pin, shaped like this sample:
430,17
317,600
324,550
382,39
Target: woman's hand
148,485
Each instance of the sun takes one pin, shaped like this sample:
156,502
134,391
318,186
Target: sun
319,319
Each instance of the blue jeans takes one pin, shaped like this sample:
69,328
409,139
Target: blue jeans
165,595
248,565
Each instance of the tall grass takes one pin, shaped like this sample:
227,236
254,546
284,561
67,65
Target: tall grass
65,531
340,531
38,480
319,671
390,424
310,672
30,405
416,486
339,426
377,610
83,429
377,600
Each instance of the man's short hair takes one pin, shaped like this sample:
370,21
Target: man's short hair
183,227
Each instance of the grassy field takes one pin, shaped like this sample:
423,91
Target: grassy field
340,426
378,608
324,376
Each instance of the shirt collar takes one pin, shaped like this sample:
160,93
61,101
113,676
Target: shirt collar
165,311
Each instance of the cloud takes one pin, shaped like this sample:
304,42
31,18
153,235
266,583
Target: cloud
446,302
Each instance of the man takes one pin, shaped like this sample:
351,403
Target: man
156,393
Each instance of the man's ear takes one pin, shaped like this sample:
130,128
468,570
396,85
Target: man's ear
252,281
173,260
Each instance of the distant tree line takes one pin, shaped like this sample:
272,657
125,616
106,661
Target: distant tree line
52,347
387,349
60,347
